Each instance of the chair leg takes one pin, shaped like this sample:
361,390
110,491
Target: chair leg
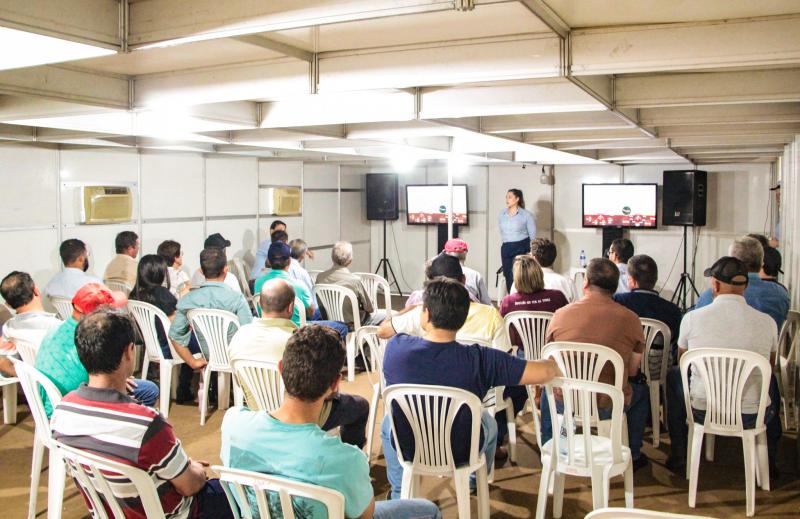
145,366
693,464
662,391
597,487
512,431
373,411
656,419
483,492
223,390
55,485
238,394
351,357
36,472
544,483
203,390
748,446
558,494
461,481
10,404
762,459
537,426
709,447
628,486
407,486
165,381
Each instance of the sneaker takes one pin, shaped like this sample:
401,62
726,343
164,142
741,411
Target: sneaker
500,456
640,462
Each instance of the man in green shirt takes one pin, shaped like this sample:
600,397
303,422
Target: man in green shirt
58,359
279,256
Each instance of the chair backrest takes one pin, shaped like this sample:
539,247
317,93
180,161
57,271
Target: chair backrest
63,307
243,487
531,327
789,330
367,340
636,513
584,361
374,283
577,395
652,328
99,476
724,373
30,379
333,298
213,325
431,412
26,349
241,273
262,381
146,315
314,274
119,286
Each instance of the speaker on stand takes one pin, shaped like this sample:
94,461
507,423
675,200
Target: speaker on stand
382,204
684,204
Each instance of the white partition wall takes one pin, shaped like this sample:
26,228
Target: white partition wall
789,224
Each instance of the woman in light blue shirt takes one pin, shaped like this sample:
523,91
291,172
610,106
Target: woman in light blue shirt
517,229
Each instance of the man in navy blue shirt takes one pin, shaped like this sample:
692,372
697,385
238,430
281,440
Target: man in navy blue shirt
764,296
437,359
645,302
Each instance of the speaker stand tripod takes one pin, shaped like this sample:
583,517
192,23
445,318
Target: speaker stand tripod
686,283
387,266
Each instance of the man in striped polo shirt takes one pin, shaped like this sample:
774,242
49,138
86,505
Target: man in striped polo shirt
101,418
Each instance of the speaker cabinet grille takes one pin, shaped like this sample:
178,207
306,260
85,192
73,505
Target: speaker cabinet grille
684,197
382,198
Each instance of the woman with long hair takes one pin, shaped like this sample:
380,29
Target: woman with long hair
517,229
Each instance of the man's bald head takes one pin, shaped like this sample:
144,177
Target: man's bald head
276,299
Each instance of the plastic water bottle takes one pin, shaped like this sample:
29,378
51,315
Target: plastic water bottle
582,259
563,441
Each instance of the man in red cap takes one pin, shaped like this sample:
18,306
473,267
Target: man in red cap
58,359
475,283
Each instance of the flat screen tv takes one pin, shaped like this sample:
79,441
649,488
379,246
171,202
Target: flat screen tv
620,205
427,204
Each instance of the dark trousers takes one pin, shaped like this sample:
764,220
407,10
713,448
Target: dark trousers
508,251
211,502
350,414
518,396
679,430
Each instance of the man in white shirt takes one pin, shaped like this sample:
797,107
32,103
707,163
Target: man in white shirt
179,282
620,252
728,322
218,241
296,270
475,283
31,322
544,251
75,257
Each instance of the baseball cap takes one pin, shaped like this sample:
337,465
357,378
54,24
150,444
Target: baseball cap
216,240
456,245
772,261
729,270
278,251
93,295
447,266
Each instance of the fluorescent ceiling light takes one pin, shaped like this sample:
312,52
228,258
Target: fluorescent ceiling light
403,161
31,49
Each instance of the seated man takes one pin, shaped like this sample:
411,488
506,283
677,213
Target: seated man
265,339
728,322
101,418
218,241
644,301
545,252
258,267
289,443
772,266
338,274
212,293
432,272
59,361
179,283
764,296
296,270
30,321
436,358
75,257
597,319
123,266
620,252
475,283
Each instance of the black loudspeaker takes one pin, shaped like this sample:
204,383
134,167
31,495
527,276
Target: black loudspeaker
685,194
382,200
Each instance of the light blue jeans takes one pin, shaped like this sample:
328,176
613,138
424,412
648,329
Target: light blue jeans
406,509
394,470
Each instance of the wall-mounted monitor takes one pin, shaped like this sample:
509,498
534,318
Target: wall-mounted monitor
620,205
428,204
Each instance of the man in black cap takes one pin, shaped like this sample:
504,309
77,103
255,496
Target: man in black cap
772,266
218,241
728,322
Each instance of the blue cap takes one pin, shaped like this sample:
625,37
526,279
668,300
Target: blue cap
278,251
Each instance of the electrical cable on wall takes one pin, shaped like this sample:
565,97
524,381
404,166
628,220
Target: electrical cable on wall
672,268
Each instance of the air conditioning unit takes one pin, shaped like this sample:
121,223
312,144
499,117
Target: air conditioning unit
106,204
281,201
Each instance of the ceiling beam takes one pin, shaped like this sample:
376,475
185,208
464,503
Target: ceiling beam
595,120
66,84
548,16
729,129
583,135
94,22
731,140
259,40
721,114
13,132
686,46
614,144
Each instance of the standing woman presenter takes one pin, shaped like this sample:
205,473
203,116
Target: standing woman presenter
517,229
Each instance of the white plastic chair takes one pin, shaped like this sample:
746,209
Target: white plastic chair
657,384
494,402
31,379
723,373
374,283
637,513
9,386
786,363
63,307
146,315
333,298
242,487
531,328
372,349
26,349
314,274
430,412
119,286
98,476
242,274
589,455
261,383
213,326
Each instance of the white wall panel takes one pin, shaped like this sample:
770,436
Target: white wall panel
99,165
172,185
321,218
29,180
280,173
320,176
361,258
34,252
321,261
241,234
231,186
355,226
188,234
